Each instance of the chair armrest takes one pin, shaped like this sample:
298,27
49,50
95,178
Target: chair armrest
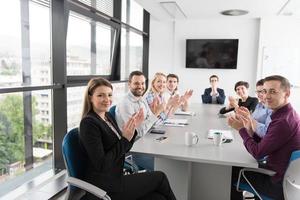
292,183
259,170
88,187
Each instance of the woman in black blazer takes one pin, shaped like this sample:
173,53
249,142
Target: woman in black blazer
241,88
213,94
106,146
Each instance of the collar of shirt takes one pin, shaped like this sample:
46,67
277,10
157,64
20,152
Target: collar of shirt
281,110
134,98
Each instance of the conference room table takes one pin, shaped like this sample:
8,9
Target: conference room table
201,171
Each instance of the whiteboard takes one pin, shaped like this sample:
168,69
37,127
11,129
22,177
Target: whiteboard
283,61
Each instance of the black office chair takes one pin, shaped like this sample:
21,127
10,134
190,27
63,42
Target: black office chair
75,160
291,180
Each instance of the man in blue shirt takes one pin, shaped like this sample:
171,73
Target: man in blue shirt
261,114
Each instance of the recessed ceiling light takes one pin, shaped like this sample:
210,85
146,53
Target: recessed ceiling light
172,8
234,12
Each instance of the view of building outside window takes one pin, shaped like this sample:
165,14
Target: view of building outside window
24,66
132,14
131,52
25,60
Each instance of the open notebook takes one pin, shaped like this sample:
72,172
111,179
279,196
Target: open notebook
227,133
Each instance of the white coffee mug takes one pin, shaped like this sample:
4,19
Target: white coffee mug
191,138
218,138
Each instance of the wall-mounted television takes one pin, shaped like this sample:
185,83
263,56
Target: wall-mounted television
212,53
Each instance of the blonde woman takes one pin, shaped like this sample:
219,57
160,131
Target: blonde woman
155,96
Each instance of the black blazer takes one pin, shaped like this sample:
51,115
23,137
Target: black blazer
250,103
206,97
105,151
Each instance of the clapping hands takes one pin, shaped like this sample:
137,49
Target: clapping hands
233,103
242,119
133,122
157,107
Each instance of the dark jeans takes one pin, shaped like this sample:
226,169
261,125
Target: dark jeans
262,184
145,186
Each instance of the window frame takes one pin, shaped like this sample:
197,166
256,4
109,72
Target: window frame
59,12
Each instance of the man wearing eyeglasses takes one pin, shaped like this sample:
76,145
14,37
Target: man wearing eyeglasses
261,117
213,94
281,139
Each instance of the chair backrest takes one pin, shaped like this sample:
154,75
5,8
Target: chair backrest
291,181
112,111
74,154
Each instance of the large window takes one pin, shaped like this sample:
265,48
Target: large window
131,52
46,60
132,14
25,117
89,46
25,137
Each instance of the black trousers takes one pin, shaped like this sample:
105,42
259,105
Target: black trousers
143,186
262,184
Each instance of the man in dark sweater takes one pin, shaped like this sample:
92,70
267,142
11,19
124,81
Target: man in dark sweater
282,138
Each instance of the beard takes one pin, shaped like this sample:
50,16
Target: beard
137,93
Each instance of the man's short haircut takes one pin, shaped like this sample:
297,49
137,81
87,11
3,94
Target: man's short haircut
284,82
260,82
173,76
241,83
135,73
213,76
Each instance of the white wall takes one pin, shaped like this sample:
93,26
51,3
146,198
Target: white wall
167,51
282,34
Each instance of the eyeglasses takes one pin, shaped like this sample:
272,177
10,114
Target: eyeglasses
213,80
271,91
259,91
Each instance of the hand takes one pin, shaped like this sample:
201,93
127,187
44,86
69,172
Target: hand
247,119
214,91
139,117
233,103
173,104
187,95
235,122
174,101
129,128
156,107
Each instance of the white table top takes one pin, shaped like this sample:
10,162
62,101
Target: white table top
233,154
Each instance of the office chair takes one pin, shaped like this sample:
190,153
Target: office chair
112,111
291,180
75,160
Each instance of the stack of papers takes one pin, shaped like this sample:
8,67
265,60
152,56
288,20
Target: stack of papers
189,113
226,133
176,122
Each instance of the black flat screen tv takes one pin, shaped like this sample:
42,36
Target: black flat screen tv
212,53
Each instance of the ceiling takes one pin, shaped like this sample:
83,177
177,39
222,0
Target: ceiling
204,9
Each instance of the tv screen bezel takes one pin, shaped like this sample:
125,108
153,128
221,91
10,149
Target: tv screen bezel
208,40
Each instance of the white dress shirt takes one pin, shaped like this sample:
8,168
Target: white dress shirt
129,106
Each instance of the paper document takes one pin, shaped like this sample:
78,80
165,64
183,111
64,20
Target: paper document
227,133
176,122
189,113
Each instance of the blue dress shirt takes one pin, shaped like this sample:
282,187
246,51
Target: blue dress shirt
262,115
